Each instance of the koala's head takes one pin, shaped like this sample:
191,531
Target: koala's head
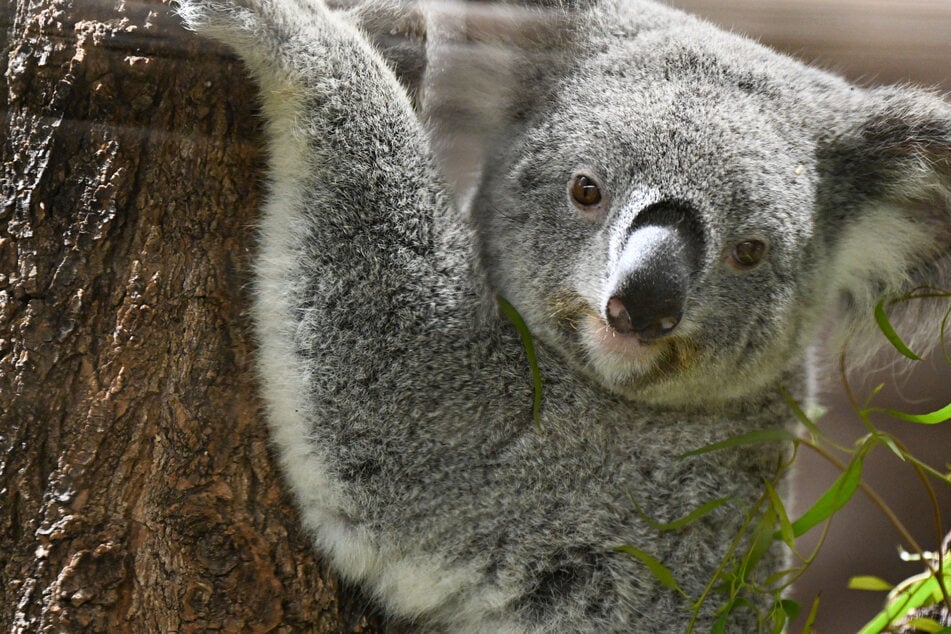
678,212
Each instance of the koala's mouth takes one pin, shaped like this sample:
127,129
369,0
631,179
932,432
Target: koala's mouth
616,355
620,361
577,319
625,362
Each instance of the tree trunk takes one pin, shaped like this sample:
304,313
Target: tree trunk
137,491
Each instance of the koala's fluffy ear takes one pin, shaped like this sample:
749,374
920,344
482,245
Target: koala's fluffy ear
885,197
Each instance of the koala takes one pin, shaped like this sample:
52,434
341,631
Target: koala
673,211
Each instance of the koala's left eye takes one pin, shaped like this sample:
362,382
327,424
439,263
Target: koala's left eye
747,254
585,191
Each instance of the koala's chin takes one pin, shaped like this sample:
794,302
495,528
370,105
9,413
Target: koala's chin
648,371
676,371
622,358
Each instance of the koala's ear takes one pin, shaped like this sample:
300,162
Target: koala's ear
885,200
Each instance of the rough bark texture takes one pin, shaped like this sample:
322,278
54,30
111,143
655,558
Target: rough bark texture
137,493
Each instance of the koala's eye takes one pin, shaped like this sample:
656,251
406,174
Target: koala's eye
584,191
747,254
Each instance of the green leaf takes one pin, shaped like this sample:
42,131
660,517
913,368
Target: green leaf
762,538
811,619
834,498
875,392
661,572
766,435
725,611
719,626
895,449
526,336
874,584
932,418
886,327
785,528
778,618
791,608
925,625
684,521
804,418
915,596
780,575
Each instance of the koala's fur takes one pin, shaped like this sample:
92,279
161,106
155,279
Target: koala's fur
401,403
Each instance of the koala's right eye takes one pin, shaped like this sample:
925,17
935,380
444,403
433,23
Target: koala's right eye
747,254
585,193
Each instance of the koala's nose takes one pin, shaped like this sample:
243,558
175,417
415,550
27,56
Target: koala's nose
629,317
650,283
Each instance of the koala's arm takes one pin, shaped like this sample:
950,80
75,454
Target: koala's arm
399,31
360,259
356,213
340,128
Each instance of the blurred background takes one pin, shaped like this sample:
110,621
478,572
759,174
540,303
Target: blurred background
872,42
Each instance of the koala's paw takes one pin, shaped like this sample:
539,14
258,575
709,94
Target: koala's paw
267,34
202,15
227,20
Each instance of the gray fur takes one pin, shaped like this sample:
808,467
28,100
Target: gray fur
400,401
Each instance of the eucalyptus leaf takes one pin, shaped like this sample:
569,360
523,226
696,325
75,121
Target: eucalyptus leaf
684,521
661,572
755,437
807,421
811,619
918,594
886,327
932,418
926,625
864,582
761,539
834,498
785,527
791,608
526,336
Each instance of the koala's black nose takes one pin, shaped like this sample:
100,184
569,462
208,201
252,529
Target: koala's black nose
652,279
647,321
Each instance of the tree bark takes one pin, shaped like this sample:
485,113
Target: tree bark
137,491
